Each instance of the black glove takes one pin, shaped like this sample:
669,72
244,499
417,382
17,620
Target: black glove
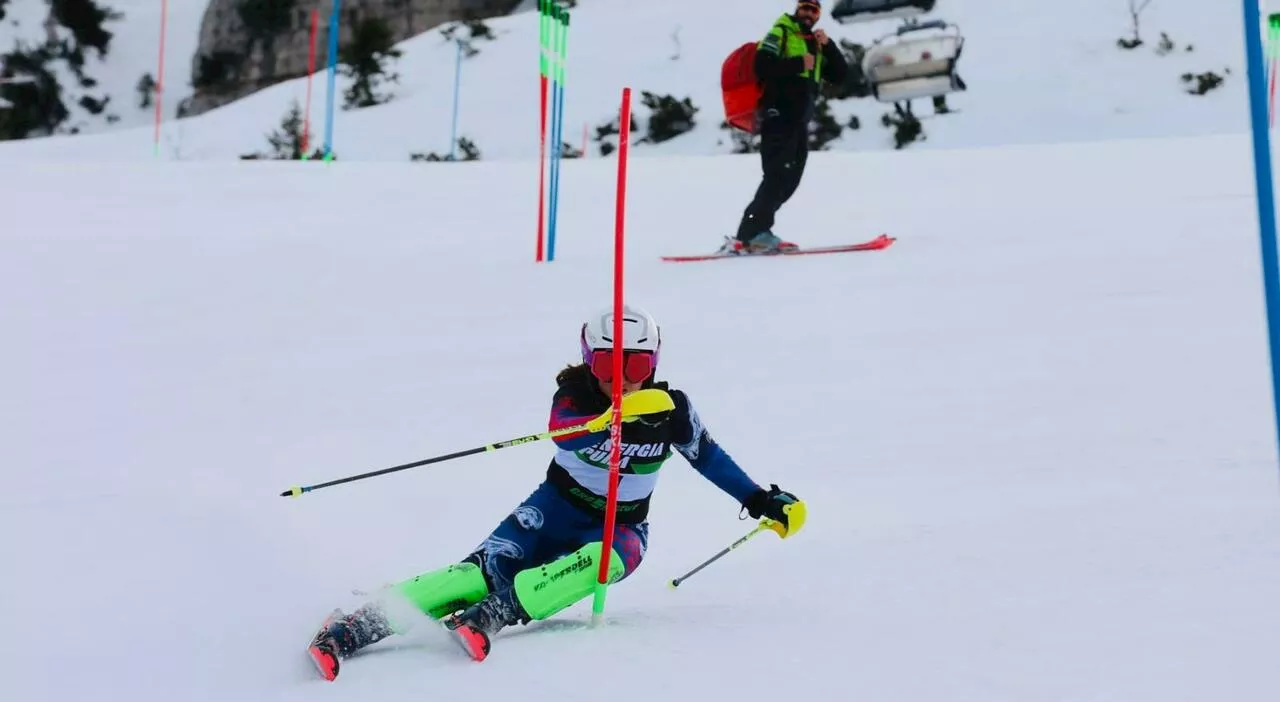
656,419
769,503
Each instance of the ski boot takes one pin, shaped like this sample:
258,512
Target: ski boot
765,242
343,634
473,626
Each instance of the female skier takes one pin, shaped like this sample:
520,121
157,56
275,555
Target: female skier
542,557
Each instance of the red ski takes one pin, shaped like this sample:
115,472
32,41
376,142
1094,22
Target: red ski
326,661
883,241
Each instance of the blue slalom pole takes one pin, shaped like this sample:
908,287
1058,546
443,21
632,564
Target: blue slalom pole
457,82
334,20
1265,188
557,100
555,194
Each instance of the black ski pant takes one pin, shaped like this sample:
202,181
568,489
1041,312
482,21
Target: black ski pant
784,150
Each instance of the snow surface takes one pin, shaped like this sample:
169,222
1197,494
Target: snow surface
1035,435
1038,72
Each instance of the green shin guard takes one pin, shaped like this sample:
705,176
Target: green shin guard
445,591
547,589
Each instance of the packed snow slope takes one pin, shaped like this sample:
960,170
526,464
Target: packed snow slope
1037,72
1034,435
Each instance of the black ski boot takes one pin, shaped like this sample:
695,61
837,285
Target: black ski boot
473,626
343,634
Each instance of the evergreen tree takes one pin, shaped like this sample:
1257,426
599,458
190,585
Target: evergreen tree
85,19
365,58
35,106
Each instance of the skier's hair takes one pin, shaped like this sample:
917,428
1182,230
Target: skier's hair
575,374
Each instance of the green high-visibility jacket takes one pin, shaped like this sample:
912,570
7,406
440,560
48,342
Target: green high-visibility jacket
789,88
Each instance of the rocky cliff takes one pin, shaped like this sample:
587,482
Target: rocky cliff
247,45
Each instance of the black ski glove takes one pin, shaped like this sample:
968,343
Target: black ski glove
769,503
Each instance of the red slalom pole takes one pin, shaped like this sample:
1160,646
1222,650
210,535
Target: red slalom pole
311,69
1273,36
615,429
1271,103
542,171
164,21
544,33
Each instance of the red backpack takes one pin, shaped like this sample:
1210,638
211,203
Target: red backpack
741,88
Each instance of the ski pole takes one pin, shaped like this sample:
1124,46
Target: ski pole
635,404
796,513
675,582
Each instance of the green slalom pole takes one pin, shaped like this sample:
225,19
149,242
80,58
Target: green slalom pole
1273,52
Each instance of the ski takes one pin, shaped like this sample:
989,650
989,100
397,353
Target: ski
326,661
473,642
883,241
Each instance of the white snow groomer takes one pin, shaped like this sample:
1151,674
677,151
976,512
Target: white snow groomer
916,61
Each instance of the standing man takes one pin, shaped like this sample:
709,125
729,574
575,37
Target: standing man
791,62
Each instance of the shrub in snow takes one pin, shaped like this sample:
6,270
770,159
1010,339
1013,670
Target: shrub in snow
668,118
1204,82
1135,14
906,126
94,106
824,128
85,19
365,59
567,151
610,129
2,10
470,152
476,29
286,141
34,106
743,143
146,91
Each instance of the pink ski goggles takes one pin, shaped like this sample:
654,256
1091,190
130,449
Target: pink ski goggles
637,366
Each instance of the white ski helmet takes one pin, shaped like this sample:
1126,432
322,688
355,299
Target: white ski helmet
639,333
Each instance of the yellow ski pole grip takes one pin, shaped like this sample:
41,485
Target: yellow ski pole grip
634,405
796,514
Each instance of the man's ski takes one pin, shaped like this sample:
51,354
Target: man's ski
883,241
